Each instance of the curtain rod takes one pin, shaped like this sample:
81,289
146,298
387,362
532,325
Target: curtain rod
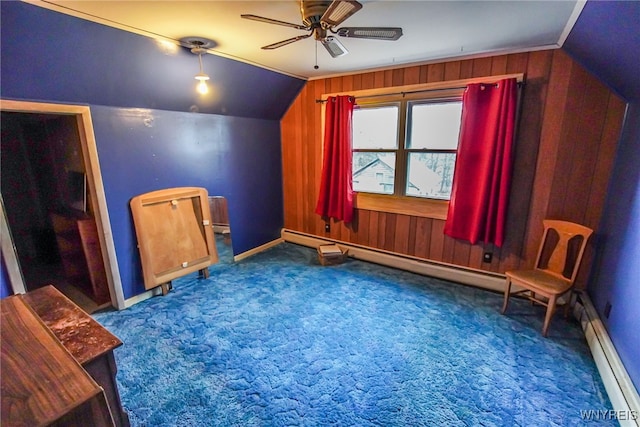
322,101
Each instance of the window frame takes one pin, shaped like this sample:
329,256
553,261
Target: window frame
395,151
402,151
408,205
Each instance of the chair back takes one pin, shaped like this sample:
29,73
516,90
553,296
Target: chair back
561,249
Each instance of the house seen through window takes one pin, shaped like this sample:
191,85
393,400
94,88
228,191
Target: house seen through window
406,147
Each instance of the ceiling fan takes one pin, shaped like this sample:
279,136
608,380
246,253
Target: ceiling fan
320,17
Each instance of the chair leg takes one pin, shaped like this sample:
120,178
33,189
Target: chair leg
551,308
507,294
567,306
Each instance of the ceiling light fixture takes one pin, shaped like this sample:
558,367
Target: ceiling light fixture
202,78
198,46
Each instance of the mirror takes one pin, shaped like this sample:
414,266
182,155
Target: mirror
221,229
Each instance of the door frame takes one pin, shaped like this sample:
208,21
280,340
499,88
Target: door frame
98,200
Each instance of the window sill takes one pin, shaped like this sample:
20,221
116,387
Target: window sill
414,206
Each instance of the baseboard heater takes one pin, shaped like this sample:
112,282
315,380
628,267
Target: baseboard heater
486,280
622,393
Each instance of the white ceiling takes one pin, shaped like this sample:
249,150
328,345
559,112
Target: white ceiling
433,30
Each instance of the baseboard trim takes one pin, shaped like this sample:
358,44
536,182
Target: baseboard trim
257,250
486,280
141,297
620,389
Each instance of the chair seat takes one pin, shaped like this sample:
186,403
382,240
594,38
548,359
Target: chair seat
539,281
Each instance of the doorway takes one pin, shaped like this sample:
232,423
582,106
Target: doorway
54,205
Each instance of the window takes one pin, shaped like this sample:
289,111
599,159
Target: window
375,128
406,146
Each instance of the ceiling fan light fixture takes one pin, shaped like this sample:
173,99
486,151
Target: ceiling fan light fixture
334,47
338,11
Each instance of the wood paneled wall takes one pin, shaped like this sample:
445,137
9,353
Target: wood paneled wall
567,136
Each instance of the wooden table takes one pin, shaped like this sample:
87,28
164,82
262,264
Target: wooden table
87,341
42,384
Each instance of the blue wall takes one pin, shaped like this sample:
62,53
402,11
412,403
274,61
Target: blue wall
145,150
147,136
605,40
616,278
5,285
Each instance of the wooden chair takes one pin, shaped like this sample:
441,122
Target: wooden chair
554,273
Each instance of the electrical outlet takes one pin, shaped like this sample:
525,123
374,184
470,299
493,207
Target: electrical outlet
327,227
607,310
487,257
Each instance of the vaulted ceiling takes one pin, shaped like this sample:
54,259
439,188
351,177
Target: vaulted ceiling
134,72
432,30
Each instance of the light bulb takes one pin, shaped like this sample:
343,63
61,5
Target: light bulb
202,83
202,87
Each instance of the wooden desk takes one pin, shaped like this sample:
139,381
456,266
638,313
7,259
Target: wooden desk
88,341
42,384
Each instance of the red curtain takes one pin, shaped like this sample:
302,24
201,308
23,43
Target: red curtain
482,177
336,190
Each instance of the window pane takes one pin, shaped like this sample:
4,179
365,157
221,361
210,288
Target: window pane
375,128
373,172
430,175
434,126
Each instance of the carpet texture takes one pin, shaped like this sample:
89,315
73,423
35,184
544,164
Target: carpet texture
278,340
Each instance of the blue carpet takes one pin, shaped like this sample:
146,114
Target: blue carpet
279,340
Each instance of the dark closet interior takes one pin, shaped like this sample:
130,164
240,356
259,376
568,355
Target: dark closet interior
46,199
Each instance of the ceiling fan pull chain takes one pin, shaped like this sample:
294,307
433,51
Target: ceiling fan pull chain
315,67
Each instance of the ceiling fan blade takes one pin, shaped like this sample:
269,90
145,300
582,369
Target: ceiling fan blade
338,11
273,21
285,42
378,33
